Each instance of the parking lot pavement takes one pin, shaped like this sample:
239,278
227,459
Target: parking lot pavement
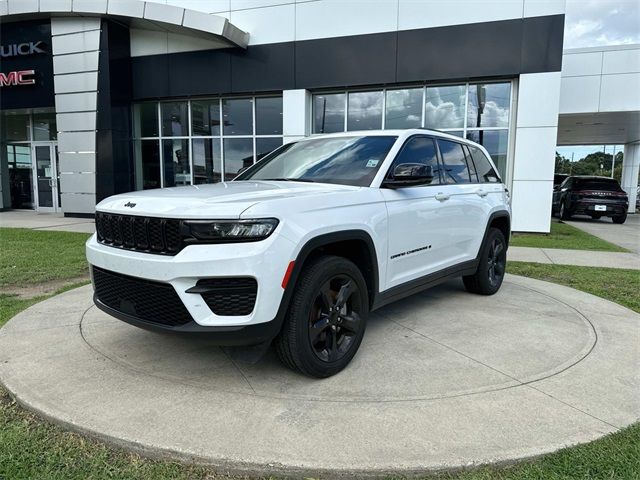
626,235
46,221
582,258
443,379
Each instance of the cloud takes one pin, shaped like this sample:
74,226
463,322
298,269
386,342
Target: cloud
591,23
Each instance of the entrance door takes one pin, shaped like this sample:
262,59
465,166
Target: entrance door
46,176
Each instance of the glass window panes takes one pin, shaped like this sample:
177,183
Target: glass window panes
265,146
444,107
205,117
44,127
238,154
403,108
328,113
269,116
419,150
145,119
175,157
207,160
364,111
147,164
496,143
175,119
472,168
15,128
454,168
489,105
237,116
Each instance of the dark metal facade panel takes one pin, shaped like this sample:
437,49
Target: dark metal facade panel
480,50
27,96
262,68
460,51
542,41
345,61
198,73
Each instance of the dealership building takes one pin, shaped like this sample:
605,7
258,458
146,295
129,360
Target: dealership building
99,97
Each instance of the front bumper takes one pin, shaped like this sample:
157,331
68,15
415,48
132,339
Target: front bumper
265,261
224,336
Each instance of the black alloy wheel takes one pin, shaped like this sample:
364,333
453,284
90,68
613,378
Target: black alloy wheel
491,266
496,262
335,320
326,318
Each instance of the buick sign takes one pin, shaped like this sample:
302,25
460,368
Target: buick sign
21,49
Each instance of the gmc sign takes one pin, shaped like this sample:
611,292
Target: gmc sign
21,77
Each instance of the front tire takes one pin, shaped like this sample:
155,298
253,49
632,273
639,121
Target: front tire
326,319
564,212
619,218
493,261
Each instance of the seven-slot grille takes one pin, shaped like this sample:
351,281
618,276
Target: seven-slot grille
147,300
145,234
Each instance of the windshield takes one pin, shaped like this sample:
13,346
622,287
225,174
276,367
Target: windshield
343,160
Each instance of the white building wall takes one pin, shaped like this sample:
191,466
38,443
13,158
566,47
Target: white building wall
273,21
602,79
534,155
75,47
630,171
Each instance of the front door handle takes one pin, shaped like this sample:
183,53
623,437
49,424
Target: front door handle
442,196
482,193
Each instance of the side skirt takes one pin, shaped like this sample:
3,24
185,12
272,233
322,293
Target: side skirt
424,283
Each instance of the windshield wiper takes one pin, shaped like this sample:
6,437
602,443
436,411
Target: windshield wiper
287,179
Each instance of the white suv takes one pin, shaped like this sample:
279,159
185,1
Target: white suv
301,246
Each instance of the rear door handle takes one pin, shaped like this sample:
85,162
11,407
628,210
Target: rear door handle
442,196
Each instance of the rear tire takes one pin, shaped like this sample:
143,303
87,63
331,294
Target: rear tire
619,218
326,319
493,261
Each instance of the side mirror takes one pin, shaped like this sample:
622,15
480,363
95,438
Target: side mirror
410,174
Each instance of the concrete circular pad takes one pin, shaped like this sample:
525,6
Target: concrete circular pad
442,379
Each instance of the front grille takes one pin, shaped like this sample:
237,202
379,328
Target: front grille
144,234
150,301
229,296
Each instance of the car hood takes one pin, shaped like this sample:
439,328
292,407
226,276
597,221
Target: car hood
218,200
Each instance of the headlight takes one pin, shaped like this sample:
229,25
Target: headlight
221,231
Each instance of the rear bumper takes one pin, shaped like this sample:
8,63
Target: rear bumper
223,336
582,207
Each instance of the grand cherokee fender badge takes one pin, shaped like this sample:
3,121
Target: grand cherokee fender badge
130,204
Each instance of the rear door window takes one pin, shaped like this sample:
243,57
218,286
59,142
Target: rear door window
471,165
486,173
454,163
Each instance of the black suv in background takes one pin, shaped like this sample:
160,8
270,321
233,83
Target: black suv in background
593,196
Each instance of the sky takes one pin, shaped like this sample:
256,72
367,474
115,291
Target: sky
592,23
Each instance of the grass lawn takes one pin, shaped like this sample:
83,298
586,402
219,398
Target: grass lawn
563,236
33,448
618,285
30,256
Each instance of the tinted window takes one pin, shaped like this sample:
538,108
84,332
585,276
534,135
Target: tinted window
470,164
342,160
365,111
328,113
175,119
486,173
419,150
455,165
269,116
403,108
237,116
605,184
